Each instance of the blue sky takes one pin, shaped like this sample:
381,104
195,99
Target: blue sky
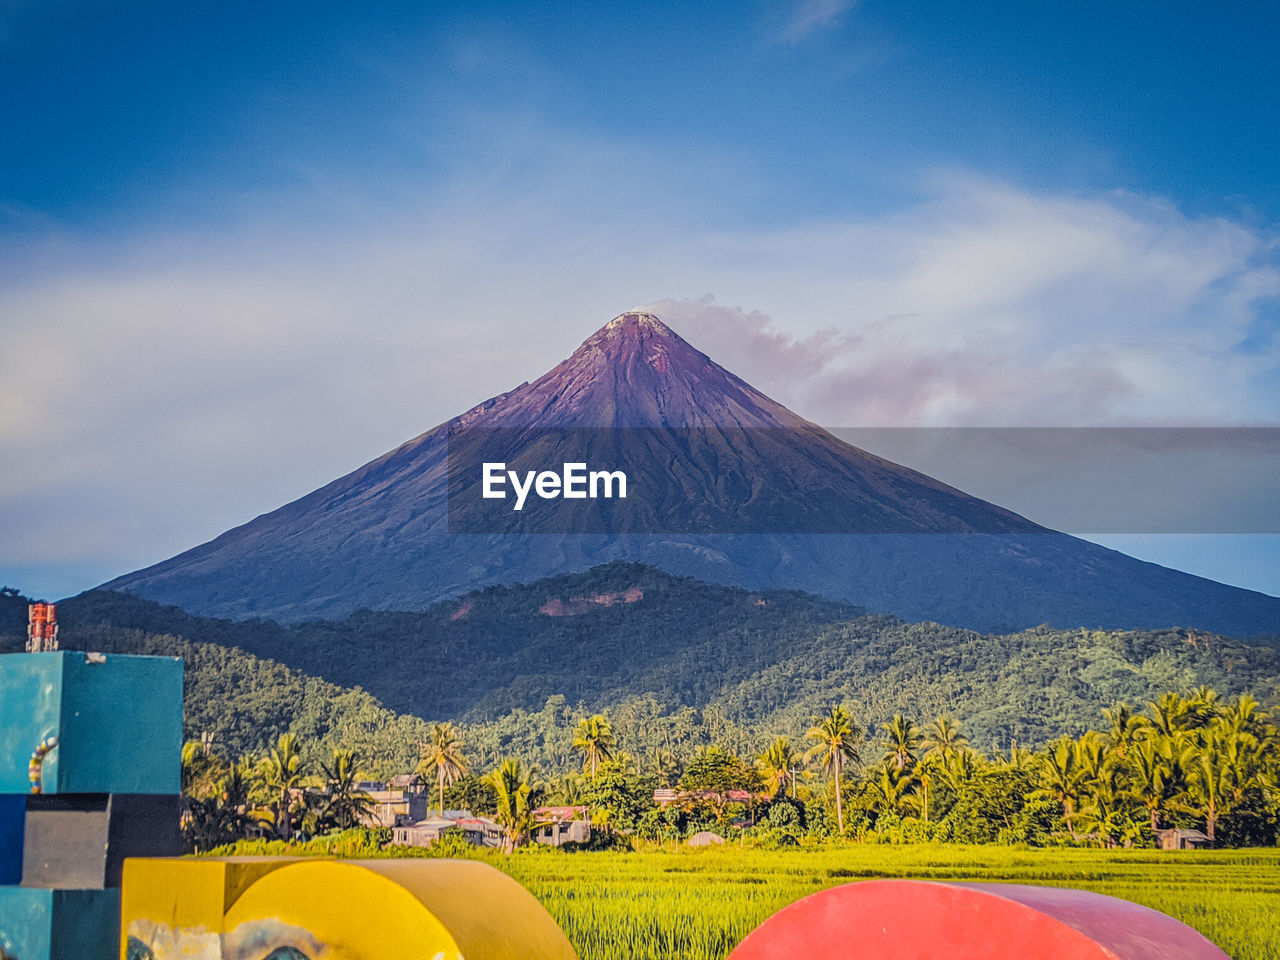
151,110
255,245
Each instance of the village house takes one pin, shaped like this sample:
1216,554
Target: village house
423,833
706,838
1178,839
665,797
478,831
560,825
402,801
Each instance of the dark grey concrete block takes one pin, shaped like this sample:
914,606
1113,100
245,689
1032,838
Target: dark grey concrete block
80,841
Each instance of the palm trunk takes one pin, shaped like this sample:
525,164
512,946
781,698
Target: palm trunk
440,783
839,800
283,823
926,798
1211,821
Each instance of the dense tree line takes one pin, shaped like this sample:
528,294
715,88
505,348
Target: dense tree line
274,793
686,665
1192,760
698,685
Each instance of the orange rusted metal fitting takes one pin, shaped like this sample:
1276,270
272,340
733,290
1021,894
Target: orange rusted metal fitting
42,627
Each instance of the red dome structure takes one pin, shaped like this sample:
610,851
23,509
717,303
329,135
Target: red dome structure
922,920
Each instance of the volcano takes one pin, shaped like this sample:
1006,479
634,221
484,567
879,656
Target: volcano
737,490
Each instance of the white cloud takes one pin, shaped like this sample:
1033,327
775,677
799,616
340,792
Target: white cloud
811,16
993,305
156,391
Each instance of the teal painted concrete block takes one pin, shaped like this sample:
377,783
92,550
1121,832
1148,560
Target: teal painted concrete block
98,723
38,924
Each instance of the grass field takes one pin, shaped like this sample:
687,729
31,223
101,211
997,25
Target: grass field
697,905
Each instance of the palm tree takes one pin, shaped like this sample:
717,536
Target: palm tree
201,768
924,772
1062,778
1127,728
775,765
1092,756
236,801
1224,762
901,743
960,770
1103,809
890,790
941,740
1172,715
223,816
1246,755
1243,716
345,804
624,763
1209,778
512,789
1153,776
567,790
664,765
836,741
943,737
1204,703
283,775
189,757
594,739
442,758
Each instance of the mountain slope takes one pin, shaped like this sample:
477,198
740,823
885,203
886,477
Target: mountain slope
742,491
245,701
675,661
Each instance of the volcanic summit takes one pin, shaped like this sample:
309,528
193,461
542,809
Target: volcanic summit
741,491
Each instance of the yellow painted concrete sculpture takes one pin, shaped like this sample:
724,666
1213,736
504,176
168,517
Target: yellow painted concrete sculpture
310,909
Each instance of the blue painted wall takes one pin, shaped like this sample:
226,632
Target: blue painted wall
40,924
118,722
30,710
12,821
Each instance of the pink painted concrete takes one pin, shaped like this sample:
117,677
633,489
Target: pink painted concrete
919,920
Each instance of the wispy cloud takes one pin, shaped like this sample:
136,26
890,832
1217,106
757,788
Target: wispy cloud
993,305
813,16
155,391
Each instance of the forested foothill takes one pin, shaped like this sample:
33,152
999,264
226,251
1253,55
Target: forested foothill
775,718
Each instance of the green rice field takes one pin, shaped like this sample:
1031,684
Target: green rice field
697,905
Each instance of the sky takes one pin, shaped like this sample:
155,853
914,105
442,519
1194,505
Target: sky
245,248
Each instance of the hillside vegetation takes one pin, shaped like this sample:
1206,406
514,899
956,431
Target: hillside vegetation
675,662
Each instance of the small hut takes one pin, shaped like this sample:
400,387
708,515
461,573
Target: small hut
1179,839
705,839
